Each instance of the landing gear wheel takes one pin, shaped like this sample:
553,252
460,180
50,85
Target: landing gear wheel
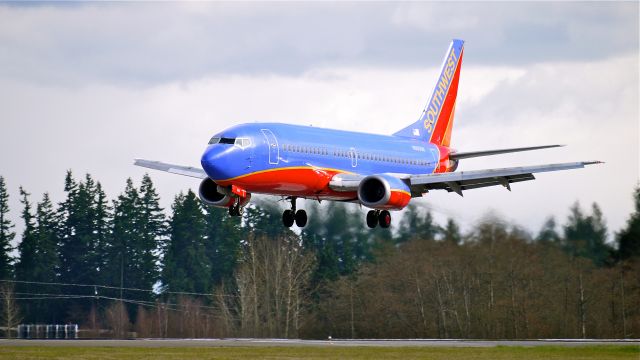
384,218
288,218
233,210
236,209
301,218
372,219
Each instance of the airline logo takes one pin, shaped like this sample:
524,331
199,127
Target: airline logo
442,88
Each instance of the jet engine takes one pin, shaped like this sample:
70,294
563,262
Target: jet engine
384,192
213,195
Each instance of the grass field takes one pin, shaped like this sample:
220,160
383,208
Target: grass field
435,353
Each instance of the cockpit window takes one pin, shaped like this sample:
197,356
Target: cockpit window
243,143
227,140
214,140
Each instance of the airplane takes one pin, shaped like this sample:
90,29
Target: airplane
380,172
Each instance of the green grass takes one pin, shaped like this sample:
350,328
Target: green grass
303,352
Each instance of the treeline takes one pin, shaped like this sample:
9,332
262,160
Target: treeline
123,268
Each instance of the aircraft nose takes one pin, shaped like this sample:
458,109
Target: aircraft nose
211,161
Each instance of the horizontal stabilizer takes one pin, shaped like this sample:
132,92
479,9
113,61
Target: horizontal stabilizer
471,154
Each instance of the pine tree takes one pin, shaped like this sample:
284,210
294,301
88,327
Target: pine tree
548,234
223,245
6,235
78,240
451,232
416,225
186,266
152,228
28,246
629,238
585,236
120,256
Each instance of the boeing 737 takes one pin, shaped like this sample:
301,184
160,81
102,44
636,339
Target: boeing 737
381,172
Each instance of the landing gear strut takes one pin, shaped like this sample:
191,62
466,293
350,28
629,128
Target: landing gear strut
375,217
236,209
291,216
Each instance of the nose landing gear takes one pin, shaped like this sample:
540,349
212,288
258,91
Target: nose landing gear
375,217
236,209
291,216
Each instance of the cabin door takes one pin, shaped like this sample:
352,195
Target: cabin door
272,143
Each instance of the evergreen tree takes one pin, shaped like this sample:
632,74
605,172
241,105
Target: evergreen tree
152,228
46,230
6,234
44,264
629,238
548,234
338,238
120,256
28,246
102,228
416,225
585,236
79,240
77,243
224,243
451,232
186,266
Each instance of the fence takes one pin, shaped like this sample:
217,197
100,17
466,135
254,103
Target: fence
52,331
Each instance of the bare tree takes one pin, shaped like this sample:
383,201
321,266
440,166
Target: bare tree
10,315
117,319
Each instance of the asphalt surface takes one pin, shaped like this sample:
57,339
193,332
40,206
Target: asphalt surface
294,342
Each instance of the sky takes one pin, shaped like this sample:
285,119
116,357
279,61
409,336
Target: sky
91,86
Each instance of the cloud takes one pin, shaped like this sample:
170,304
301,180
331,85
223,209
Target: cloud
148,44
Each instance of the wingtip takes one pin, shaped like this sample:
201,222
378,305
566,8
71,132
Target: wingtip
593,162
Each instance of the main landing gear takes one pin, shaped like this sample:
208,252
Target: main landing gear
236,209
291,216
375,217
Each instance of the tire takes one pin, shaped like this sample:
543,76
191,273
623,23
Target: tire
372,219
384,219
288,218
233,211
301,218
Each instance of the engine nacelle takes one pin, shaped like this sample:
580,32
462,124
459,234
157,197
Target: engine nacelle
211,195
384,192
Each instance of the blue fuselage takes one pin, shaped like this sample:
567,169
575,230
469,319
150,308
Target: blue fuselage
260,157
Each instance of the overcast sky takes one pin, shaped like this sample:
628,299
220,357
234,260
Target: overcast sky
90,86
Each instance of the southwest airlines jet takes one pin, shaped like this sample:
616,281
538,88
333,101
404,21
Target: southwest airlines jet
381,172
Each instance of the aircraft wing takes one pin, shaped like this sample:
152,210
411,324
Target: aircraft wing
461,180
170,168
467,180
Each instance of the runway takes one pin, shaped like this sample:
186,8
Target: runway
177,343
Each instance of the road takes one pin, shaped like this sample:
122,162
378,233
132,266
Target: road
295,342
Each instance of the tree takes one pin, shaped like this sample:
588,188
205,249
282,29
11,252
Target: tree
28,246
585,236
629,237
223,245
548,234
38,260
152,228
6,235
451,232
186,266
10,315
416,224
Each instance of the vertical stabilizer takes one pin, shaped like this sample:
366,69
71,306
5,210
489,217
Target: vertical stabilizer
436,120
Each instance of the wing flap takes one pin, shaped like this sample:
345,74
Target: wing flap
467,180
171,168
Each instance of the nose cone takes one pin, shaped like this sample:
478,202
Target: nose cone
212,163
